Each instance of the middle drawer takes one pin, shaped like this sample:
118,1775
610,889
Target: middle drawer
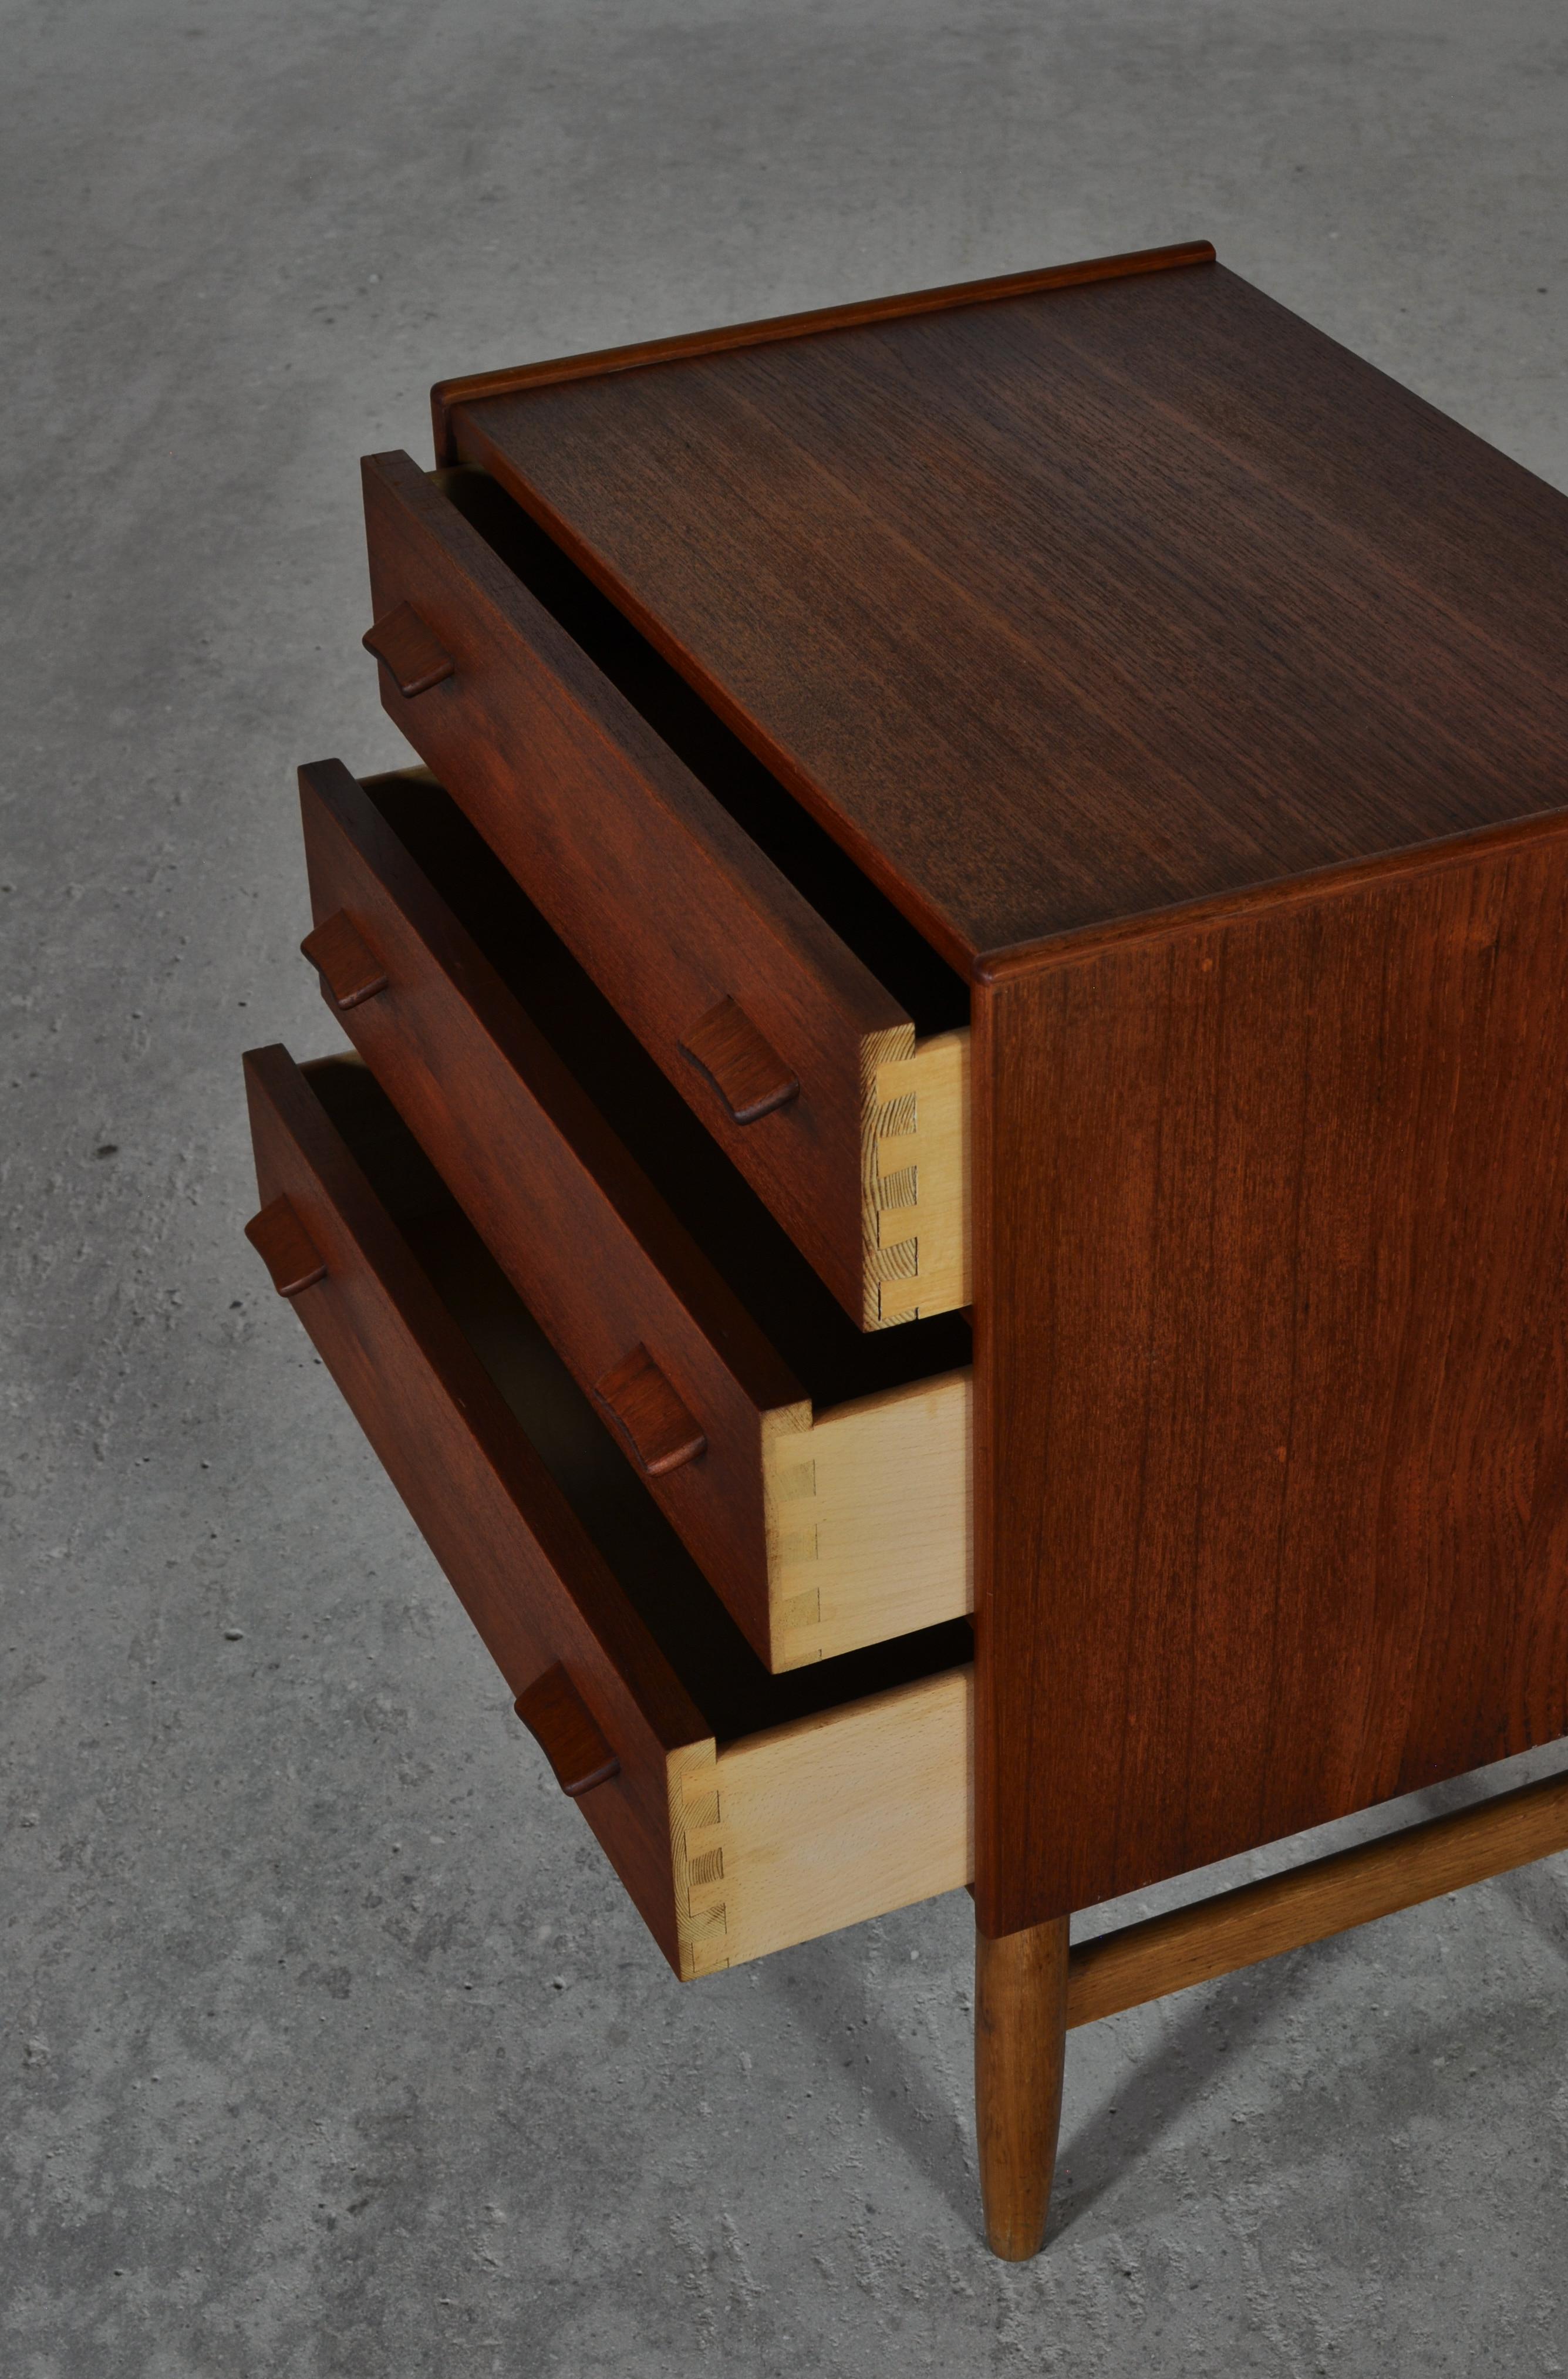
821,1476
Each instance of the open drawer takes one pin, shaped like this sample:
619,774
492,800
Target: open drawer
820,1475
818,1036
742,1811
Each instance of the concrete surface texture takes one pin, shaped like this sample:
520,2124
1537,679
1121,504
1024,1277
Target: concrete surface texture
329,2044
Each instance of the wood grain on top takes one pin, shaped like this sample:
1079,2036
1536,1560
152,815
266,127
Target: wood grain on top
447,395
1071,606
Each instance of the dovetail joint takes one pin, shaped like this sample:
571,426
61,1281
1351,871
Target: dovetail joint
701,1906
794,1547
895,1195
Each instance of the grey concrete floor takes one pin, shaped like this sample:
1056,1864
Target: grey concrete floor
329,2044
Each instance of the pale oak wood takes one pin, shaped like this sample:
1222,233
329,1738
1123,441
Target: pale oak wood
796,1831
793,1832
870,1517
696,1860
1021,1994
917,1182
1328,1895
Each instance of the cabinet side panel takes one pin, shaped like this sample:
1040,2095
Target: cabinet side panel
1272,1429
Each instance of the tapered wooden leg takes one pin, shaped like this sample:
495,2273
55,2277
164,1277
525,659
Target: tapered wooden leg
1020,2022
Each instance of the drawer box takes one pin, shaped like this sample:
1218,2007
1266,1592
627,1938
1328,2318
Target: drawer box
821,1477
817,1035
742,1811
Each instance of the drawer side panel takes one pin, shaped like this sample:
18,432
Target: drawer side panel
835,1819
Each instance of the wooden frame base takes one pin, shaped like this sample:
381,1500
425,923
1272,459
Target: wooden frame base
1031,1990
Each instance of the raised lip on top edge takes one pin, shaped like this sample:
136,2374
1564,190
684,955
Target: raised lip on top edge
449,393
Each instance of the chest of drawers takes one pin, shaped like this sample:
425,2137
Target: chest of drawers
949,1204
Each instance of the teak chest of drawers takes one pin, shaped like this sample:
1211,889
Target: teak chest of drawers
950,1201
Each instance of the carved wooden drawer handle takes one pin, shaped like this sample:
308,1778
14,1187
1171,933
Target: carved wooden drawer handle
402,644
747,1071
284,1246
342,958
558,1719
649,1414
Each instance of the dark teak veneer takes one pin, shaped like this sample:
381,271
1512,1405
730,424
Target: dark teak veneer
677,1302
1063,783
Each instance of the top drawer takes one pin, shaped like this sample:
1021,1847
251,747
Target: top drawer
537,704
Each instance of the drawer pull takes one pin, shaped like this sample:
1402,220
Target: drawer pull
747,1071
280,1239
348,967
555,1715
649,1414
402,644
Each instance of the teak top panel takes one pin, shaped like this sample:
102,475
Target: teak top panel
1074,605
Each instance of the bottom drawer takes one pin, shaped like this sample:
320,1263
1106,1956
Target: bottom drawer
742,1811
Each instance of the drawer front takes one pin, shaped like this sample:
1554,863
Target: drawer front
642,1318
820,1533
535,1588
788,1831
768,1025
